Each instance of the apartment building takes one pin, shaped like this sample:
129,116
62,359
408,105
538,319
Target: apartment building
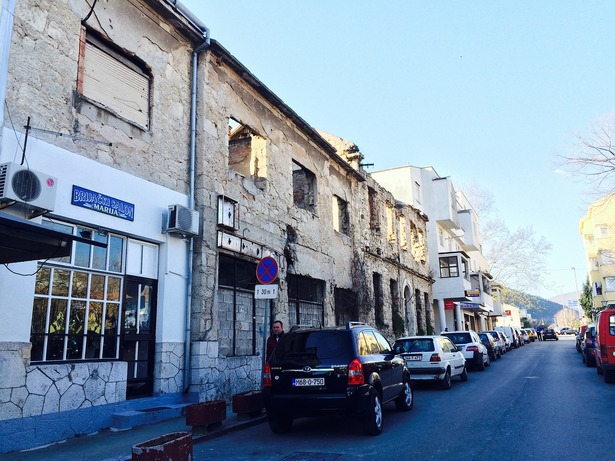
597,229
463,294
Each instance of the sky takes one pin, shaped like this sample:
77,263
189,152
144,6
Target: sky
486,92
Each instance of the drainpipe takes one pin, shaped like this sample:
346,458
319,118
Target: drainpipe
187,14
6,30
187,345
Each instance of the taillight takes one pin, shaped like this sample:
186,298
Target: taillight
355,373
472,348
435,358
266,375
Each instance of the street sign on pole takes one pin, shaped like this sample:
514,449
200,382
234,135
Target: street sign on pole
267,270
265,291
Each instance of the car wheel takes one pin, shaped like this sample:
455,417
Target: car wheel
488,361
609,377
464,374
373,415
446,382
481,364
405,400
280,423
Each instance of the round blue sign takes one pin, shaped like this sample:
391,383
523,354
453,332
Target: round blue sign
267,270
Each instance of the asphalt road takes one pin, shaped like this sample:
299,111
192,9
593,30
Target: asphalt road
536,402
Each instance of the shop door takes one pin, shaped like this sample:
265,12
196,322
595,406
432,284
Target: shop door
138,336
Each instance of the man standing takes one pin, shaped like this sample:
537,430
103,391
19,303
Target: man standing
276,333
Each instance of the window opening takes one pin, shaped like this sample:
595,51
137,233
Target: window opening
304,188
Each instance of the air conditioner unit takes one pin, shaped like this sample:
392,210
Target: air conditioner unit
183,220
31,190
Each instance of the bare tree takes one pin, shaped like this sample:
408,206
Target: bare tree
517,258
593,155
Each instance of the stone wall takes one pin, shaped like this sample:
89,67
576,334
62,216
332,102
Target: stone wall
31,390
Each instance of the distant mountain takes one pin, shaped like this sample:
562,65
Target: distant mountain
539,308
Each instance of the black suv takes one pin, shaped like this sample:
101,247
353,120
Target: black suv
350,369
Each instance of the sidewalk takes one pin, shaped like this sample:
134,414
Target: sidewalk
110,445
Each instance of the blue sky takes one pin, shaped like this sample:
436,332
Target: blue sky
483,91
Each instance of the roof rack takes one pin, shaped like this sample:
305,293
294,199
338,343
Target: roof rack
350,325
300,327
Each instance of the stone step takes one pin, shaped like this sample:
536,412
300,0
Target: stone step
128,419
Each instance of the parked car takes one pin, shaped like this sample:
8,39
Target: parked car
605,345
519,335
471,346
319,371
512,336
500,339
580,338
549,333
567,331
589,345
432,358
532,334
524,335
492,347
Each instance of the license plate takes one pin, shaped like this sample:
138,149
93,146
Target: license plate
414,358
301,382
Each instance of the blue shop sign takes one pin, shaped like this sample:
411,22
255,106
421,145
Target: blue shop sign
86,198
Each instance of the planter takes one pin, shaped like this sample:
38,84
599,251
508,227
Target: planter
249,403
176,446
206,413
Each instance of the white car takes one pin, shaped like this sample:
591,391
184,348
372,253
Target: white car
432,358
471,346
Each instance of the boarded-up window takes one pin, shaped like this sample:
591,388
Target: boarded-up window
115,82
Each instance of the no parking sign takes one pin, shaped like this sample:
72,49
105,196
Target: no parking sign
267,270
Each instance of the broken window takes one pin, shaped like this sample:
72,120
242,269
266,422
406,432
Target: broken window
378,299
374,209
304,187
246,150
341,220
390,222
118,83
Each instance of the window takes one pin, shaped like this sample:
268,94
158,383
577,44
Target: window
341,220
417,193
246,150
390,222
305,300
602,230
374,209
77,304
449,267
403,236
441,237
606,257
465,268
597,288
378,299
610,283
112,80
304,188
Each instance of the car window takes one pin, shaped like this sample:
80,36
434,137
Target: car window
612,324
314,347
382,342
459,338
446,345
368,344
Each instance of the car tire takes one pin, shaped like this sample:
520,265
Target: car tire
609,377
464,374
481,364
279,423
373,415
488,362
446,382
405,400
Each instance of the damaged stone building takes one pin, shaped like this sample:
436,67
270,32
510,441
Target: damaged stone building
169,171
272,186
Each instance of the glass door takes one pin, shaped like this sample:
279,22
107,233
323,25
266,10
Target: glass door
138,335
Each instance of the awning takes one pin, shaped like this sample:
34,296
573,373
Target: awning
22,240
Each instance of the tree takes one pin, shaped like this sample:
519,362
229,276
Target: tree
587,300
516,258
567,318
594,156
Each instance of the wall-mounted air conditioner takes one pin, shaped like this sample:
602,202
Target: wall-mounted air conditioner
31,190
183,220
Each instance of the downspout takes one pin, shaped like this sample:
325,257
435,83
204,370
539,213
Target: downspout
188,342
6,30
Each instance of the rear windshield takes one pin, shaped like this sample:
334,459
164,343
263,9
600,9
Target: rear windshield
459,338
314,348
404,346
